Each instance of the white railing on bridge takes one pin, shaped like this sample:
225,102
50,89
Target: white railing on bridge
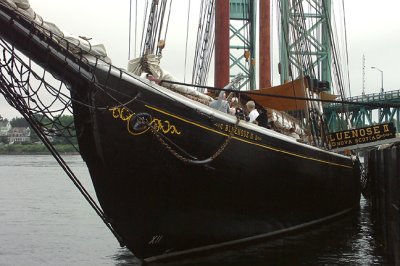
373,97
376,97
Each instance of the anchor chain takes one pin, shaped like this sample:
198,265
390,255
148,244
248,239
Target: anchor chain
190,161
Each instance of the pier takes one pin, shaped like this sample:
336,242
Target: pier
381,185
383,191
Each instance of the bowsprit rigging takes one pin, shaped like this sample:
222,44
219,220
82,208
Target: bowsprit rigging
141,136
42,99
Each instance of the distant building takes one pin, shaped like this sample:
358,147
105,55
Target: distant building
5,127
19,134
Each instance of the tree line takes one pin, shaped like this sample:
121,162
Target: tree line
61,129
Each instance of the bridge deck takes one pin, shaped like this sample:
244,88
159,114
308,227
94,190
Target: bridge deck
385,97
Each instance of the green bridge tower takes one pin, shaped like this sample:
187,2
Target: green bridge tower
305,31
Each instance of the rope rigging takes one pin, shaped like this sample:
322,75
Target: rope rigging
248,56
155,29
311,42
295,34
43,115
130,29
338,73
186,44
205,43
366,104
25,90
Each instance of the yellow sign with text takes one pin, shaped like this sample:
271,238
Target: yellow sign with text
362,135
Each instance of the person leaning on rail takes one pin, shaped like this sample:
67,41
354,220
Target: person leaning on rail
220,104
252,112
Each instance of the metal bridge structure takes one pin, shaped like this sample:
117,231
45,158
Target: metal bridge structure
242,48
305,31
235,45
362,116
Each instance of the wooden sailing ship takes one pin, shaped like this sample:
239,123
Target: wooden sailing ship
173,175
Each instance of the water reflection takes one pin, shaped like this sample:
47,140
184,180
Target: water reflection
45,221
125,257
351,240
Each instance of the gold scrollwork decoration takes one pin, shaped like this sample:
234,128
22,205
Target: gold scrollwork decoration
122,113
165,127
133,128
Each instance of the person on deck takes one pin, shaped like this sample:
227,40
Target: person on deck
220,104
234,105
252,111
293,134
151,78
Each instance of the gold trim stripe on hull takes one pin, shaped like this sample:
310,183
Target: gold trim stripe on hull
246,141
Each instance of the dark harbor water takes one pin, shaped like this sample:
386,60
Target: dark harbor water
45,221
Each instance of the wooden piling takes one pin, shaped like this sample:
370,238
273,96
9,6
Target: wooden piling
384,176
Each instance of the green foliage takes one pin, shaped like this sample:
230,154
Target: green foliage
34,149
4,139
3,119
62,130
19,122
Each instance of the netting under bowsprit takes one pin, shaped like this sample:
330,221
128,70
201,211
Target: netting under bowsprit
35,93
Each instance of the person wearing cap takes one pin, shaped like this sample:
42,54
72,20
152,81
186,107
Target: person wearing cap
253,113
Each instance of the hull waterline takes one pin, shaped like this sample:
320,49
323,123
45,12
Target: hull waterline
262,183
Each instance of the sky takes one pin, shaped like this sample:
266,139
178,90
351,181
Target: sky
373,30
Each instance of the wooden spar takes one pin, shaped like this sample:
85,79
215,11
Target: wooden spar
221,67
265,44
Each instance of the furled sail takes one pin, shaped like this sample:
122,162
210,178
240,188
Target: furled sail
151,64
89,48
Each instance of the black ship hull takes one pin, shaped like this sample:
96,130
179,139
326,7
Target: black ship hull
144,147
261,183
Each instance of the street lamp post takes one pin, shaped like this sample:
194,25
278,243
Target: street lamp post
381,77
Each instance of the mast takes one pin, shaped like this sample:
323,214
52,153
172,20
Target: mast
265,44
235,36
242,41
221,69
